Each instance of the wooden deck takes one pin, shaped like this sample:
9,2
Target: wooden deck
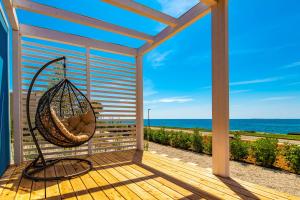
132,175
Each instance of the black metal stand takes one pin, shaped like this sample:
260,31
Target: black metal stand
35,166
40,163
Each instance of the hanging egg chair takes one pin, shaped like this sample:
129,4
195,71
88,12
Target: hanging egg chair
64,117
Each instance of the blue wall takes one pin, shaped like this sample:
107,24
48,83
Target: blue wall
4,96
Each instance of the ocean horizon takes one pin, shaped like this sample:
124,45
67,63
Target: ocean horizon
279,126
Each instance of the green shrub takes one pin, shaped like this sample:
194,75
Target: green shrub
207,144
197,141
264,151
293,157
161,137
238,148
180,140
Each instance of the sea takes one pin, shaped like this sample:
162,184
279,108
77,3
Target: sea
279,126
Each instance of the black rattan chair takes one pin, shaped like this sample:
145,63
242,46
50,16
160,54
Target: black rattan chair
65,118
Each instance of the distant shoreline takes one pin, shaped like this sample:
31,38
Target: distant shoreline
274,126
242,132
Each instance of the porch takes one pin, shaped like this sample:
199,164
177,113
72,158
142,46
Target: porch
132,175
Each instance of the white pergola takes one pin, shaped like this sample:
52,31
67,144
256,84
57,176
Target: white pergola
220,91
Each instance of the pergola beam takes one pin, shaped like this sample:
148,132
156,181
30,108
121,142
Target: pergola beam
51,35
195,13
209,2
144,11
80,19
12,15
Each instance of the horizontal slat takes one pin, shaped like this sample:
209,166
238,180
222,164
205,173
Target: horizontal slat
128,78
113,92
130,138
113,88
95,83
97,68
53,70
116,111
42,63
54,48
97,57
115,147
117,125
110,78
94,63
46,75
53,53
119,106
70,64
113,97
117,102
119,115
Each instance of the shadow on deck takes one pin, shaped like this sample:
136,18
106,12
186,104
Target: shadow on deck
132,175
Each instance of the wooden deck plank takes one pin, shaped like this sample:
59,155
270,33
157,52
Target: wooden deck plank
132,176
52,188
24,189
104,185
132,184
227,183
231,181
167,187
11,187
216,188
6,177
174,183
122,188
77,184
38,190
89,183
65,188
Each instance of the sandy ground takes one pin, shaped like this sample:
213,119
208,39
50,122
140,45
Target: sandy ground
278,180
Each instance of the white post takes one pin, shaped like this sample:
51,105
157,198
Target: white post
139,103
17,92
88,88
220,89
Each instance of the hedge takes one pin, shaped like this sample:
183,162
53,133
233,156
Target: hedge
262,152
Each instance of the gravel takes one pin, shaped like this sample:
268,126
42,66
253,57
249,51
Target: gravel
272,178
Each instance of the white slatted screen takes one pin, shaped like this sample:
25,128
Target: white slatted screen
108,81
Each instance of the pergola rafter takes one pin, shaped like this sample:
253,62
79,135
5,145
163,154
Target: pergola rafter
51,35
144,11
218,8
80,19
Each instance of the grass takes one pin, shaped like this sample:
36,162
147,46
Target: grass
246,133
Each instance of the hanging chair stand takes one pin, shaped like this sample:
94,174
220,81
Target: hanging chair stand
39,164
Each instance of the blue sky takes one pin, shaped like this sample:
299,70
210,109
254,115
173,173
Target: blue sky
264,46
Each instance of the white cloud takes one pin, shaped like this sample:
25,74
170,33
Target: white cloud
158,59
254,81
176,8
294,64
149,88
170,100
238,91
265,80
278,98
